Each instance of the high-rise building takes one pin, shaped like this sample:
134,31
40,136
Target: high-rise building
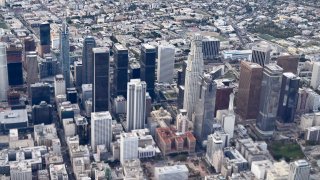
14,60
224,89
40,92
20,171
48,67
87,60
121,75
248,97
269,98
193,72
289,63
299,170
45,39
136,104
182,121
82,129
210,48
42,113
315,78
78,73
101,84
227,118
148,67
32,68
176,172
29,44
261,54
165,66
134,71
204,111
4,82
214,152
101,129
59,85
288,97
128,146
64,53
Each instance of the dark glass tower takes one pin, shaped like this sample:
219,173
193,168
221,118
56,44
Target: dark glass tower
288,97
87,61
269,98
120,79
148,65
45,39
40,92
64,53
101,84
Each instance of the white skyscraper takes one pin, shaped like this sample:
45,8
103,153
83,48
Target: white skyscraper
128,146
136,104
165,63
4,82
227,117
59,85
193,72
182,121
315,78
101,129
214,153
299,170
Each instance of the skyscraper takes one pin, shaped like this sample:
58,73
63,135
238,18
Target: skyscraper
165,66
128,146
101,129
182,121
148,66
45,38
40,92
87,60
269,98
249,90
32,68
193,72
261,54
288,63
42,113
204,111
78,74
136,104
121,61
101,85
64,53
59,85
14,64
315,78
226,117
4,82
299,170
288,97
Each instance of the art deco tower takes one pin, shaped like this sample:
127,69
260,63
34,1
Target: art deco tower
64,53
193,72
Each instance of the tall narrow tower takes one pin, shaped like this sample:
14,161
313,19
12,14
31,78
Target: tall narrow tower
4,82
136,104
64,53
193,72
87,60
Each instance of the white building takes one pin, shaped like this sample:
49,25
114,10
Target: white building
69,127
136,104
120,105
20,171
227,118
315,78
214,154
59,85
299,170
101,129
128,147
176,172
279,171
165,66
193,71
58,172
4,82
259,168
182,121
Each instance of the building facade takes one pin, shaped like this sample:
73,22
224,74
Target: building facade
165,65
101,129
64,53
148,67
121,75
87,60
